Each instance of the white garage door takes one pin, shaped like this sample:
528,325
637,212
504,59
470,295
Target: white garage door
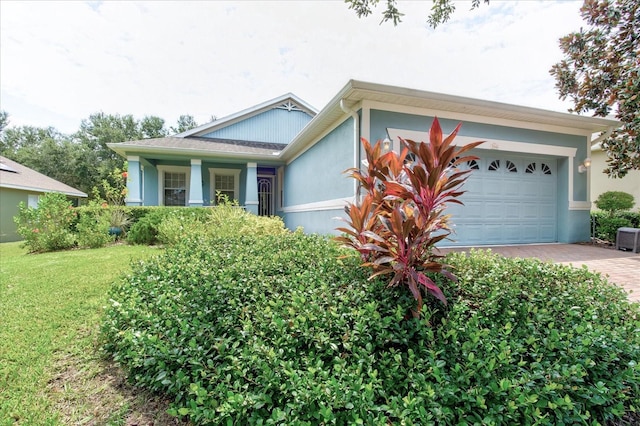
509,200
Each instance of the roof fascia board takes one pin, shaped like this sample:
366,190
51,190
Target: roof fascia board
36,189
476,118
361,88
247,113
131,149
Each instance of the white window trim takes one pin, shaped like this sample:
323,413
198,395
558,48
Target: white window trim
33,200
224,172
173,169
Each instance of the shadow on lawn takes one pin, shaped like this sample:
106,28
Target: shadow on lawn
87,389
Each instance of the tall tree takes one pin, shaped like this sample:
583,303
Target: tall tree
185,122
441,10
601,75
152,127
4,120
47,151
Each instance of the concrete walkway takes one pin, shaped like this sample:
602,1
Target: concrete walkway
621,267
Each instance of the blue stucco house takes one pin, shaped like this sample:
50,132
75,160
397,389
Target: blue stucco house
283,157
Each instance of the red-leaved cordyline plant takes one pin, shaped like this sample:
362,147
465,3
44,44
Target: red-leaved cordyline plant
400,216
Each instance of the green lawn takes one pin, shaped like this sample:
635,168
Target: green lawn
50,309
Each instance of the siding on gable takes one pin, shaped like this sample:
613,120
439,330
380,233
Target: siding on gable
276,125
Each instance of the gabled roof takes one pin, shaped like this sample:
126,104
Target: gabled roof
15,175
355,92
200,146
352,96
288,101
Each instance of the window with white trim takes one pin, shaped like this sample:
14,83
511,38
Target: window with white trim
226,182
33,200
173,185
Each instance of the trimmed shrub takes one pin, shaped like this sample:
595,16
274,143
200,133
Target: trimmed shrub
606,226
614,201
632,217
283,330
48,226
93,226
145,229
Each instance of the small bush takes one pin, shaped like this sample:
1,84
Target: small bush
281,330
227,219
606,226
93,226
180,223
614,201
632,217
145,229
48,226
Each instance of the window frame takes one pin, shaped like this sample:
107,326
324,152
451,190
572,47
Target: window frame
173,169
213,172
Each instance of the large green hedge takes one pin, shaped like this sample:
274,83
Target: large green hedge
282,330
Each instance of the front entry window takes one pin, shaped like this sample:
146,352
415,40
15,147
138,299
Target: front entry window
175,189
225,182
225,185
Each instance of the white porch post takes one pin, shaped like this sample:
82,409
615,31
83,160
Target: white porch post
133,182
251,190
195,187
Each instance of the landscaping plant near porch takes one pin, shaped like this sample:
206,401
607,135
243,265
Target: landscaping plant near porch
400,218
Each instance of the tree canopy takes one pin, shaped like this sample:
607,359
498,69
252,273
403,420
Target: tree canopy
441,10
601,75
82,159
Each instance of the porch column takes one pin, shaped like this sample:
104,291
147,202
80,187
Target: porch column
133,182
195,186
251,190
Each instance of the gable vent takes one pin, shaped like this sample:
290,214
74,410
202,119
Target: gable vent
289,106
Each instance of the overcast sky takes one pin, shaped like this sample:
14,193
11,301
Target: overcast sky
62,61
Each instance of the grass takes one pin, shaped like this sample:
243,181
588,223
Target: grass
51,369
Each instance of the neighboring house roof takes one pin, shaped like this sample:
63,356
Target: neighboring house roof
201,146
15,175
288,101
355,92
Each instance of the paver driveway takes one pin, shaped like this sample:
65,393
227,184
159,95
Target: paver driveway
621,267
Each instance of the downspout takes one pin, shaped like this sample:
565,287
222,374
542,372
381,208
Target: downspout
356,143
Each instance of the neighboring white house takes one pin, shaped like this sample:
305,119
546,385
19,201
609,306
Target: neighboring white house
601,182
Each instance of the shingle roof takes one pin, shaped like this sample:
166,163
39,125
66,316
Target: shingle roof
210,145
15,175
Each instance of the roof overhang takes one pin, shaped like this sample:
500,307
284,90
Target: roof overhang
132,149
355,93
78,194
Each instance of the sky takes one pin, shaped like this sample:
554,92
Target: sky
60,62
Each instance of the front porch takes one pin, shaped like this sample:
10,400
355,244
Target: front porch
197,182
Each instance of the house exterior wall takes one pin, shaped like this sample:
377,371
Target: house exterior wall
9,200
601,182
275,125
315,185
